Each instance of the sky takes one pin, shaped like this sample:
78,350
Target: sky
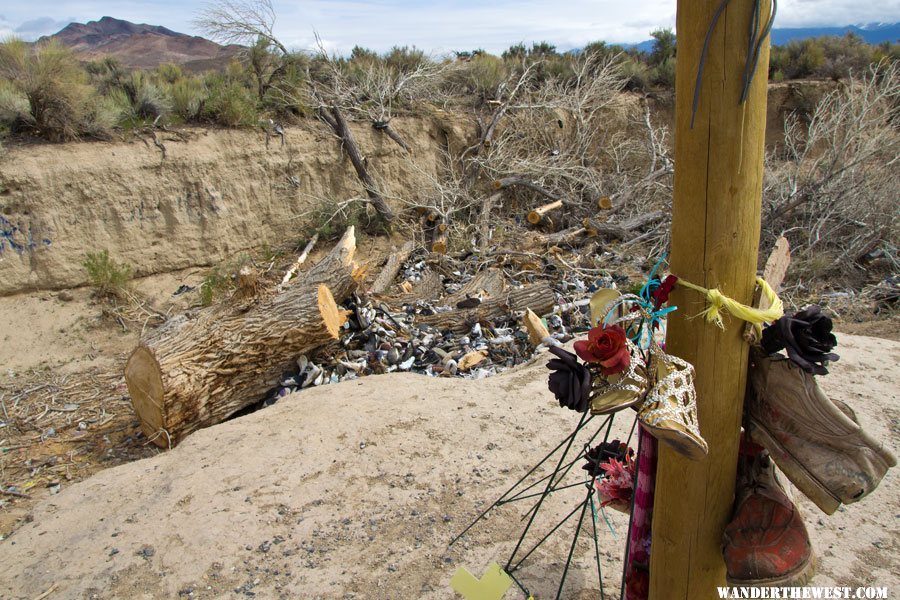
438,26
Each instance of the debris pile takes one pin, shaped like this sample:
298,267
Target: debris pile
417,330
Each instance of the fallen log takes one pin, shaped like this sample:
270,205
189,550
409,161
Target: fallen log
198,372
572,237
487,283
622,231
391,268
538,297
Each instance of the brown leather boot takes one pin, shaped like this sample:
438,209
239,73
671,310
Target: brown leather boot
766,542
816,442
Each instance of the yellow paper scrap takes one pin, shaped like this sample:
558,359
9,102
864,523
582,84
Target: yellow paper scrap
492,585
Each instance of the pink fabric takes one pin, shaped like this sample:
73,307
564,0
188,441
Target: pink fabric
637,570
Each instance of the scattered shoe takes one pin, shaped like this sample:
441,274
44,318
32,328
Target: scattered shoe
670,411
766,543
818,443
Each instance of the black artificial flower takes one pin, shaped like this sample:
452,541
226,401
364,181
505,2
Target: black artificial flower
601,453
570,381
807,338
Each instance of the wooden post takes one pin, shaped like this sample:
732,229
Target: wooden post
715,242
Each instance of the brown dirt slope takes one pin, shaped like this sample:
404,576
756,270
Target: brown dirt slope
354,490
213,196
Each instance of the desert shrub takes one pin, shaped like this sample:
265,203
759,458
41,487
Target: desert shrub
14,108
663,74
169,72
635,73
229,102
663,47
107,276
106,113
483,75
214,284
54,84
834,195
404,59
145,99
186,98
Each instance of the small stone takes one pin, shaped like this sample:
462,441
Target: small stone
65,296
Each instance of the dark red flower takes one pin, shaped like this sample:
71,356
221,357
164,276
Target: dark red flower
570,381
601,453
807,338
661,294
606,346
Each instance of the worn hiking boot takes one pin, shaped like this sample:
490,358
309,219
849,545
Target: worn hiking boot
766,542
816,442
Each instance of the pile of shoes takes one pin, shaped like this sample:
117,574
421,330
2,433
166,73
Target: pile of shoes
817,442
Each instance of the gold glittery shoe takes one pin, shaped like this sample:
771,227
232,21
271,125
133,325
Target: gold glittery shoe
670,411
615,392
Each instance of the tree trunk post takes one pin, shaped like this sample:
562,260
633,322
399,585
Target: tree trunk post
715,243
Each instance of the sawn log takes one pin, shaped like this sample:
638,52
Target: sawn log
197,372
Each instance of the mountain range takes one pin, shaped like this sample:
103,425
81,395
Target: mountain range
871,33
137,45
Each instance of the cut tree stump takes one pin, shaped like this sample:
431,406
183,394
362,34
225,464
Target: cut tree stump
196,373
539,297
538,214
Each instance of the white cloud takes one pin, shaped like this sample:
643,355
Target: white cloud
445,25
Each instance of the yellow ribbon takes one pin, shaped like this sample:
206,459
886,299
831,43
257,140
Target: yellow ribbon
719,302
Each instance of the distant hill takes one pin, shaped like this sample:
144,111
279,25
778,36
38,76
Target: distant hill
873,33
142,46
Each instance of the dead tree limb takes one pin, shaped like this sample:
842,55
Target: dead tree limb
516,180
197,372
339,124
538,297
300,260
386,129
622,231
572,237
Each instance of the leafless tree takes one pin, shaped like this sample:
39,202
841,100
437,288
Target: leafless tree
240,22
834,192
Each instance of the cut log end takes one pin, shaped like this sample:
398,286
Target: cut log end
331,315
534,217
605,203
144,380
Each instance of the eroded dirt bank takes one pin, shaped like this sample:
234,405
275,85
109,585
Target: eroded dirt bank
214,195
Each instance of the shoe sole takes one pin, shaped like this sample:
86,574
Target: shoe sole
805,481
798,577
682,443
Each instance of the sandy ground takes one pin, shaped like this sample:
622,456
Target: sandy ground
354,491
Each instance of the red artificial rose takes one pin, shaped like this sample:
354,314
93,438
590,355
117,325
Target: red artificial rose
607,347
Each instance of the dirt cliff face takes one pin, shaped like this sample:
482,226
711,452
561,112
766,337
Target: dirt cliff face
214,195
